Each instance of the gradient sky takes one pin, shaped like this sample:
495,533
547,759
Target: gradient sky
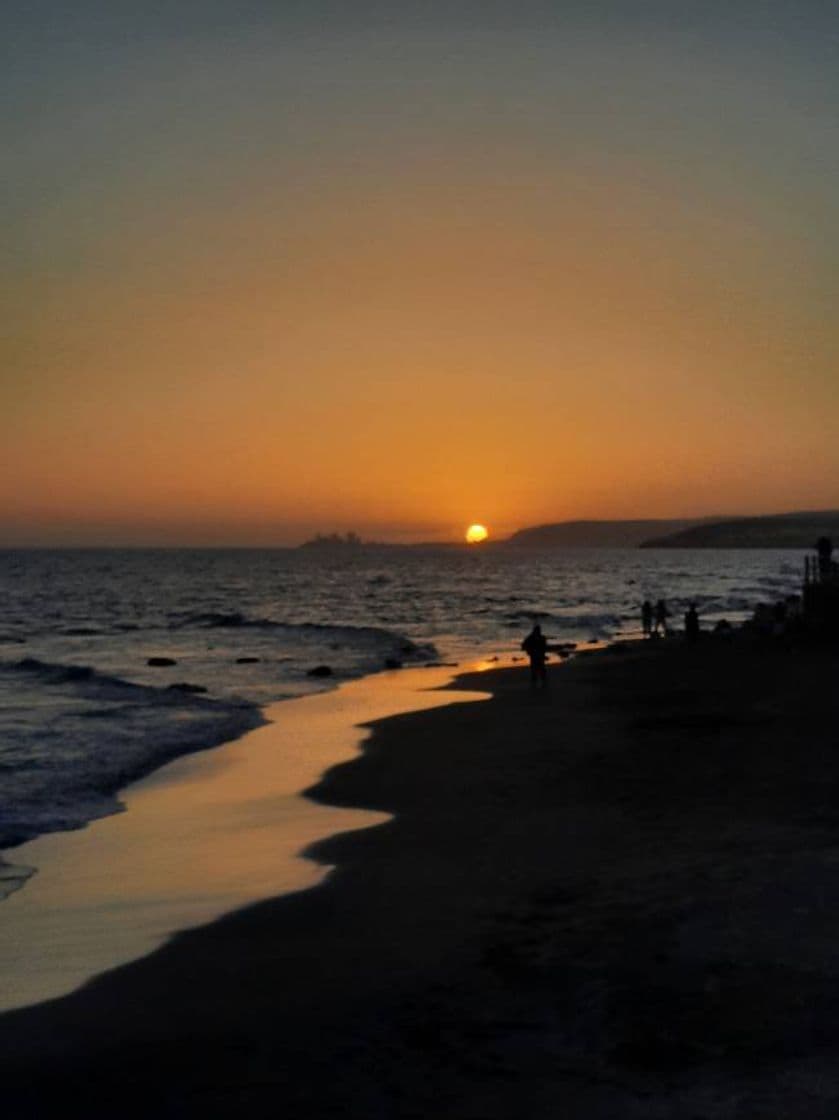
274,268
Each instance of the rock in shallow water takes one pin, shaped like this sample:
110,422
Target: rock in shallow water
320,671
161,662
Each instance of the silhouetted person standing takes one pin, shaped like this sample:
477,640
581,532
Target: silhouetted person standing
824,548
535,645
647,618
691,623
661,616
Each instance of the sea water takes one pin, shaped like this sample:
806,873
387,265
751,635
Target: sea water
82,712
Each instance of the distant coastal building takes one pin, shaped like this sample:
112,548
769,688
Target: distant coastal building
335,540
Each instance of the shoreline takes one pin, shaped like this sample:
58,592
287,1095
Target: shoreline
205,834
613,899
14,876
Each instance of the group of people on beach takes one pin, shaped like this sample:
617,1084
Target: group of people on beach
653,624
654,620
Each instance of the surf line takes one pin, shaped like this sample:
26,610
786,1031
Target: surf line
208,833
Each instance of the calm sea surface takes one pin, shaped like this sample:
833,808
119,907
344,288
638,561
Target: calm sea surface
82,713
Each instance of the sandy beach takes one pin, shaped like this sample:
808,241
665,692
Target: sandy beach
613,899
206,834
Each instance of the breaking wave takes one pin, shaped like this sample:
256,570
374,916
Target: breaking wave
93,735
235,620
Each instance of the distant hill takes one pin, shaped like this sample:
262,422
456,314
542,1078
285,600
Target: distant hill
595,534
783,530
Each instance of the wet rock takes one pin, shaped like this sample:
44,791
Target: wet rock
185,686
246,660
161,662
320,671
393,663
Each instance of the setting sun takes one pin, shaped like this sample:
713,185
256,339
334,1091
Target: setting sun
476,533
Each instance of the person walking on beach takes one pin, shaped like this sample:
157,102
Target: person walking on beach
692,623
661,616
535,645
647,618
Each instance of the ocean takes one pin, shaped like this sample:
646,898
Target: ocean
83,713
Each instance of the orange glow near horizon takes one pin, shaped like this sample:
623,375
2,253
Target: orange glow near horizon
534,287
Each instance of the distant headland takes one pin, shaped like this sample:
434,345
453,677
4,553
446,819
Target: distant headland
596,534
796,530
782,530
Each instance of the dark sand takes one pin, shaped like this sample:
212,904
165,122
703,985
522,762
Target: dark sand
617,900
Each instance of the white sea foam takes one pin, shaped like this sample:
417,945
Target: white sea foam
73,737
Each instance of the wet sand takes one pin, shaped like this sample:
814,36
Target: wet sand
618,899
207,834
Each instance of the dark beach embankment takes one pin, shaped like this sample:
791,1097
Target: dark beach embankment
617,899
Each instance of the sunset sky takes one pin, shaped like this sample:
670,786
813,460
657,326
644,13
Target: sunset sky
272,268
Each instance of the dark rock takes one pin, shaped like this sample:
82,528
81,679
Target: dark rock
161,661
320,671
185,686
393,663
78,673
246,660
